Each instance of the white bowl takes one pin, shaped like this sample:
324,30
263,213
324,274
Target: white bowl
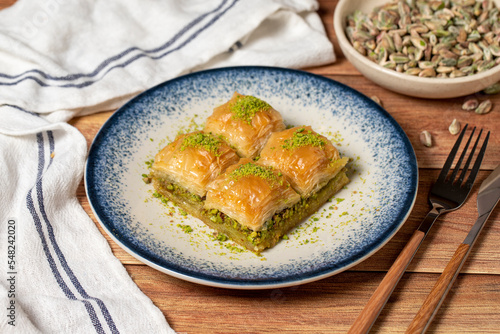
432,88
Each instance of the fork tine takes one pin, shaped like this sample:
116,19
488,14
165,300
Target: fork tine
479,159
466,167
462,156
451,156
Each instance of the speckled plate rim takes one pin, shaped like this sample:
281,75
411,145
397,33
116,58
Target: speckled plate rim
164,266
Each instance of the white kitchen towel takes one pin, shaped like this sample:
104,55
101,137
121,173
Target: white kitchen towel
64,58
69,57
58,274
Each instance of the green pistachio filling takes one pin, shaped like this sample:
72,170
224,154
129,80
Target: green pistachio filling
247,106
202,140
301,138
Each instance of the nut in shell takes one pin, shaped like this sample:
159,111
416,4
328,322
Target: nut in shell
484,107
470,104
377,100
426,138
454,127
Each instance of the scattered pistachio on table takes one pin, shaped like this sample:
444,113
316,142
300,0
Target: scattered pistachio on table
446,39
470,103
426,138
484,107
377,100
454,127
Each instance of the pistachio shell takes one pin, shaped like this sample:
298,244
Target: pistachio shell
470,104
377,100
448,62
474,36
419,43
427,73
495,50
484,107
454,127
390,65
457,74
445,69
426,138
485,65
426,64
413,71
464,61
399,58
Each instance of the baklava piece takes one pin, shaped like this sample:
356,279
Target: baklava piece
243,201
254,205
250,193
308,159
189,163
246,122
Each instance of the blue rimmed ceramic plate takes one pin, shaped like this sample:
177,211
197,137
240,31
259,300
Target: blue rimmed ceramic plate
356,223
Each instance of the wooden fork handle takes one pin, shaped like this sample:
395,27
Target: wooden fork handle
379,298
439,291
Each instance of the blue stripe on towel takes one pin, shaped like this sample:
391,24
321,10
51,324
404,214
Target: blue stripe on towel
45,245
60,254
142,55
100,68
19,108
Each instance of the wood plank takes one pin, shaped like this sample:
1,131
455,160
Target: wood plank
448,232
328,306
444,237
415,115
412,115
438,293
6,3
436,250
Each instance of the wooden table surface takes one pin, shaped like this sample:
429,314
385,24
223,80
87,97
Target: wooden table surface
331,305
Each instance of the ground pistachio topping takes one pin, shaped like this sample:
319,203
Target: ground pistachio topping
251,169
206,141
245,107
301,138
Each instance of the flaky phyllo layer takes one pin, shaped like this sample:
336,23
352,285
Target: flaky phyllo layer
194,160
246,122
246,176
250,193
308,160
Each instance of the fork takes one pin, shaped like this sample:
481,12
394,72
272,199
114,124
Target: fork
447,194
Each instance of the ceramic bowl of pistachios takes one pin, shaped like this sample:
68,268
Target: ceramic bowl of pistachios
426,49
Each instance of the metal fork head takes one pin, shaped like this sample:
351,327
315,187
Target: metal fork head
449,192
